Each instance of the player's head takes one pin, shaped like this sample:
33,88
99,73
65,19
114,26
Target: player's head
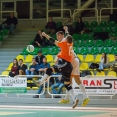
60,35
44,60
15,62
39,31
50,18
69,39
33,61
68,18
11,14
20,61
39,53
79,19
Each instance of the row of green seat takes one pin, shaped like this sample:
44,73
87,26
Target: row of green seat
98,43
84,50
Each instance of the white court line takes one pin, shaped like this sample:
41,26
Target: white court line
57,108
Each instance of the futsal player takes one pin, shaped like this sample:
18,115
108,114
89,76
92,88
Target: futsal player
64,63
75,74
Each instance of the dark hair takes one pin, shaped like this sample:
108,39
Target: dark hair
116,55
105,58
16,62
69,39
60,32
68,17
80,19
21,60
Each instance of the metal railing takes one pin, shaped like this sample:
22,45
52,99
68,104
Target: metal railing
53,10
105,9
86,10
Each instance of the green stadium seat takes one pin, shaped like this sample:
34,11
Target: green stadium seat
94,24
54,51
76,36
112,23
98,29
84,36
59,24
24,52
86,24
74,24
30,43
79,43
104,50
115,29
54,36
94,50
99,43
4,32
1,38
113,34
108,29
89,43
114,50
109,43
45,51
84,50
76,50
103,24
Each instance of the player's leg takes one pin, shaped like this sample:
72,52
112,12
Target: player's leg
45,77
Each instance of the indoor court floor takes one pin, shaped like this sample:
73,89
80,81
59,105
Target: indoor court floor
42,111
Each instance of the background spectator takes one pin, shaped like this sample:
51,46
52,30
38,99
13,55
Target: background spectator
39,40
69,24
51,82
33,69
39,57
59,84
50,26
79,28
22,67
103,62
14,68
10,23
114,65
43,66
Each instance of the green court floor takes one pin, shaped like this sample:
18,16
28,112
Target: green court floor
9,112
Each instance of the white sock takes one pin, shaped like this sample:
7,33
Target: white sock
67,95
72,94
82,88
43,78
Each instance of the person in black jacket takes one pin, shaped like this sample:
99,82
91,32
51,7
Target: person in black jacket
10,23
50,26
22,67
39,57
79,28
39,40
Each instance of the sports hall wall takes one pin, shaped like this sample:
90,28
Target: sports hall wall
34,13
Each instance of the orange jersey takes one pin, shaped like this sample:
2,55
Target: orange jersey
66,51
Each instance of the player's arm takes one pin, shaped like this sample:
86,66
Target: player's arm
66,30
52,40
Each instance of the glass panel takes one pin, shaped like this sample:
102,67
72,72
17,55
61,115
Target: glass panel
39,9
54,4
69,4
7,6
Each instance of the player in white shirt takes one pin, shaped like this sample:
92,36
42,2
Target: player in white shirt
75,74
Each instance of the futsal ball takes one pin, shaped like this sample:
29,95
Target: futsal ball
30,48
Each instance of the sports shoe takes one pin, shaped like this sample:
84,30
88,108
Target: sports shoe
63,101
37,83
75,103
85,101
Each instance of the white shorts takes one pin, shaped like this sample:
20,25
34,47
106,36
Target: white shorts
75,65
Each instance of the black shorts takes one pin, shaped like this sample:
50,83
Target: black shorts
65,68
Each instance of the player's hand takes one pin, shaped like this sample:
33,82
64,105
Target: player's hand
43,34
65,28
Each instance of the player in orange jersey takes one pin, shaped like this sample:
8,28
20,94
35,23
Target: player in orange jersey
64,63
